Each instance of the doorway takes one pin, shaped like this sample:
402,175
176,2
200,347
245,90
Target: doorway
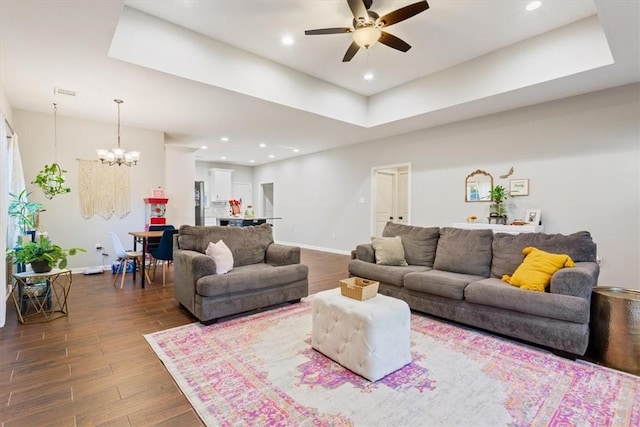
266,204
390,196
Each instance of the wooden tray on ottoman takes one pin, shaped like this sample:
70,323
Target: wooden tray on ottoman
359,288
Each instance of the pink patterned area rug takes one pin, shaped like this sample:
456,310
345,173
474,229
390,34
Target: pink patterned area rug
261,370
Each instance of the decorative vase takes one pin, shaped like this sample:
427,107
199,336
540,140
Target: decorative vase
40,266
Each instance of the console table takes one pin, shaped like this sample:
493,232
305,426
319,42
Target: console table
500,228
41,297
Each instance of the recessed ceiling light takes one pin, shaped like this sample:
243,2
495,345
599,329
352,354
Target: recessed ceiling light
262,145
368,77
271,156
534,5
224,139
252,161
295,150
223,158
204,147
287,40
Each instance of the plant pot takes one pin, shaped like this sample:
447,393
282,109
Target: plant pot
40,266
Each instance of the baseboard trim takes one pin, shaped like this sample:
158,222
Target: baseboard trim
316,248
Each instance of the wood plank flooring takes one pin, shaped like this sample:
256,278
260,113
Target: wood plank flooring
94,368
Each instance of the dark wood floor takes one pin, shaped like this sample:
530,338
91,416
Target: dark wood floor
94,367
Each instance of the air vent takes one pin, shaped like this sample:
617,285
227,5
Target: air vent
60,91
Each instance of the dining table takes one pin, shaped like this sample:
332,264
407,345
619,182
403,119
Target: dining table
142,237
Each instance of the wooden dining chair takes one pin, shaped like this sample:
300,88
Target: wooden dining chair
123,257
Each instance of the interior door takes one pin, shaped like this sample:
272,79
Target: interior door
385,183
391,196
403,196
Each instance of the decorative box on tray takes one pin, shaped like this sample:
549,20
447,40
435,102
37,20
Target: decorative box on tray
359,288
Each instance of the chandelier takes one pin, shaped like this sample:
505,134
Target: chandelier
118,156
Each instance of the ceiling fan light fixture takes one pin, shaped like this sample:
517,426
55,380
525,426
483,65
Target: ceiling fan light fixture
366,36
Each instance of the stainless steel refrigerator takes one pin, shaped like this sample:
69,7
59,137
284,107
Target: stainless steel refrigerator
200,202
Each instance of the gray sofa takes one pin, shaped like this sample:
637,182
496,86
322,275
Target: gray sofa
264,273
456,274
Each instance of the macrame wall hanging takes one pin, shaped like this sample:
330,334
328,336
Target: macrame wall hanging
104,190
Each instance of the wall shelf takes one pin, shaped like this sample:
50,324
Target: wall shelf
499,228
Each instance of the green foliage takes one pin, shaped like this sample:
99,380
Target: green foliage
498,194
51,180
23,210
43,250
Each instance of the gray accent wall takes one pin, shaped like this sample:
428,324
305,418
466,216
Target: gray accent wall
580,154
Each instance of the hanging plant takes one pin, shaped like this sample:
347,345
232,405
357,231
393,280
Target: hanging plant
51,180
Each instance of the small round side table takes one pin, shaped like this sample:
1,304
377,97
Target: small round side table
614,338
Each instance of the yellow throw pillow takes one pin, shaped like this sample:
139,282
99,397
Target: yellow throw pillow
537,268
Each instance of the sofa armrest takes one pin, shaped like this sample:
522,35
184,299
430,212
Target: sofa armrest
189,266
282,254
576,281
364,252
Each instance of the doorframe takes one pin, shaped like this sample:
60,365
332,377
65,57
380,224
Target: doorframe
374,192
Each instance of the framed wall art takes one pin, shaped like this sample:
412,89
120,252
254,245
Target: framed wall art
532,216
519,187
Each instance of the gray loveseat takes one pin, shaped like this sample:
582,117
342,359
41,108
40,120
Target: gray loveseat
456,274
264,273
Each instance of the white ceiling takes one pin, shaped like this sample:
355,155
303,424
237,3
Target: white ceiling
208,69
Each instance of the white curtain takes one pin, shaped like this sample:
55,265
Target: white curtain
16,185
11,181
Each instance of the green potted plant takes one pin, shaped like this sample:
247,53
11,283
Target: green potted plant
43,255
23,210
498,195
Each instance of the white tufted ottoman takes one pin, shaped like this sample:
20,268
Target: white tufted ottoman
370,338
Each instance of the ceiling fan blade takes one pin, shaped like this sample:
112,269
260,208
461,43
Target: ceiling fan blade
403,13
394,42
351,52
358,9
328,31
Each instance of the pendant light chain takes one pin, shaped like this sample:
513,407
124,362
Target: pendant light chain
118,101
55,132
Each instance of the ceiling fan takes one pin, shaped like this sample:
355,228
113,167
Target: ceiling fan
367,26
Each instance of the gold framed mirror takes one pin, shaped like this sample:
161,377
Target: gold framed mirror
477,186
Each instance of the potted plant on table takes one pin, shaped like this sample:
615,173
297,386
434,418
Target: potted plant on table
24,211
43,255
498,195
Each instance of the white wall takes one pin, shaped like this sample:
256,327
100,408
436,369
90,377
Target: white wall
180,171
78,139
581,155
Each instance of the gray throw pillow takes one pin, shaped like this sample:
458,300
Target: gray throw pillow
388,250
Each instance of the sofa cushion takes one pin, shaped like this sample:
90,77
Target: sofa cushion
442,283
390,274
222,256
507,248
419,243
248,244
534,274
250,278
388,250
464,251
496,293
